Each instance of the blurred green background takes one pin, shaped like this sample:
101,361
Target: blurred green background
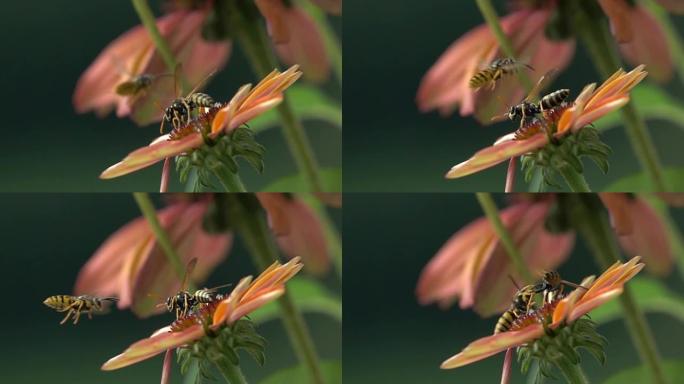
390,146
48,237
390,338
48,147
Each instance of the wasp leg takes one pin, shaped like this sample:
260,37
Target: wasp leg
71,310
78,312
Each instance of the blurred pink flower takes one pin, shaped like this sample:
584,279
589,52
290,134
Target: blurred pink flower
674,6
247,103
246,297
590,105
640,231
298,229
131,265
296,37
575,305
445,86
133,54
473,265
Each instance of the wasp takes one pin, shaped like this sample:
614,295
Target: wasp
135,85
75,305
496,70
522,303
181,110
183,302
551,286
528,111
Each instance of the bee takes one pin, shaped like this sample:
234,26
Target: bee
183,302
522,303
181,110
551,286
527,111
75,305
496,70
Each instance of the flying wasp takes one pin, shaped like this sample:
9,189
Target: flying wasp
533,113
75,305
138,84
495,71
551,286
180,112
523,302
183,302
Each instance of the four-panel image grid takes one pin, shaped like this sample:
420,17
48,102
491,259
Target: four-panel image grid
198,191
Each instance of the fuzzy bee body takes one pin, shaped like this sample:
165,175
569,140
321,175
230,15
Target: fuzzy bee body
522,303
75,305
495,71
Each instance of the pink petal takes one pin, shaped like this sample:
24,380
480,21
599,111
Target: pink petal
585,307
306,237
618,14
618,207
649,46
274,11
146,156
305,46
498,153
650,239
331,6
491,345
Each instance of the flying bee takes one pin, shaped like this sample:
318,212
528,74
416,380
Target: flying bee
551,286
527,111
522,303
183,302
75,305
181,110
495,71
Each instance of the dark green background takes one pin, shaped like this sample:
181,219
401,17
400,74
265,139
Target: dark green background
47,238
48,147
390,338
390,146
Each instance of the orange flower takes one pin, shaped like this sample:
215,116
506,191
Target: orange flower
133,54
247,103
247,296
591,104
445,86
473,265
578,303
130,264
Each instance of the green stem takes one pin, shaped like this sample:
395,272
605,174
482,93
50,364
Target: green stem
492,19
573,372
330,40
490,210
254,41
250,222
592,222
150,214
574,179
232,373
230,181
602,50
147,17
674,41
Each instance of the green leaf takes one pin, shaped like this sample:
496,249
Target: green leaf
651,295
332,372
674,177
653,103
309,296
673,369
331,177
309,103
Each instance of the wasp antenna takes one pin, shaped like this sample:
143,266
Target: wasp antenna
573,284
514,283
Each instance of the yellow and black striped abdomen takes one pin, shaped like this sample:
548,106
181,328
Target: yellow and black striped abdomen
201,100
483,77
59,301
554,99
505,321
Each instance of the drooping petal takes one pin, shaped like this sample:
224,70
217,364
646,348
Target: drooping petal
649,46
496,154
274,13
618,14
618,207
331,6
305,45
674,6
491,345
